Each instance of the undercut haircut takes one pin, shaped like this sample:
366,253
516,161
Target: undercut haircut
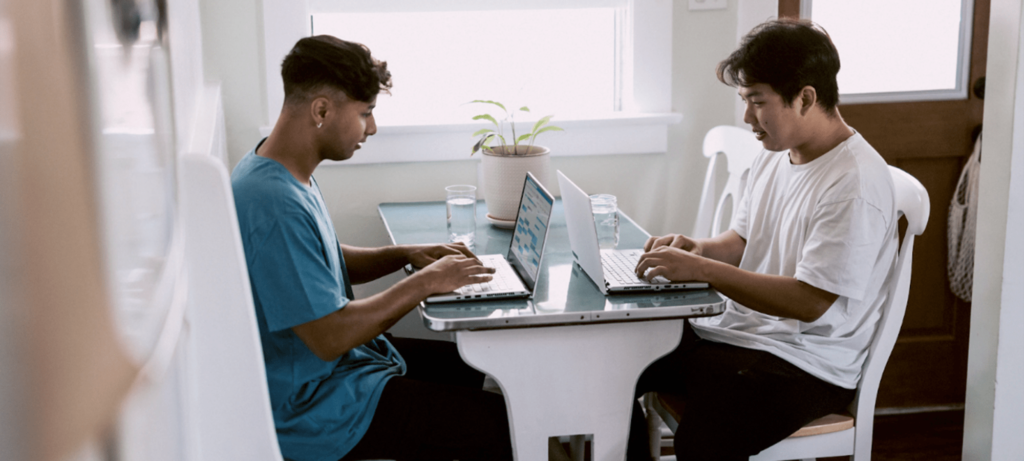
787,55
326,62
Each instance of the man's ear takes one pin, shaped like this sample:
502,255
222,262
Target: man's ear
807,98
318,110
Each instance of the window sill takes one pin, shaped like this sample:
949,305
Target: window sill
604,135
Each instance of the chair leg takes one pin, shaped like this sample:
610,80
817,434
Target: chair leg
654,424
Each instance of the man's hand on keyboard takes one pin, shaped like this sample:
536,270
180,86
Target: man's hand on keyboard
423,255
454,271
670,262
675,241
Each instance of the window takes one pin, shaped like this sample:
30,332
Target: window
607,82
898,51
559,61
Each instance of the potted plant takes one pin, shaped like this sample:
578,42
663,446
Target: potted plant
506,163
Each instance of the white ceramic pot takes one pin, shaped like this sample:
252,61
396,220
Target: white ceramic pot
504,176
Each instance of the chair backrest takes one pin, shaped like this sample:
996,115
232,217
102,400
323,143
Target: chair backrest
739,147
232,403
911,202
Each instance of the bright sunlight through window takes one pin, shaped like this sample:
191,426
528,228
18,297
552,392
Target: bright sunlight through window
556,61
887,46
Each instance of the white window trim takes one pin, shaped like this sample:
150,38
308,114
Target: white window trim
642,128
963,62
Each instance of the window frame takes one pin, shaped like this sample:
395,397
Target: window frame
963,65
641,127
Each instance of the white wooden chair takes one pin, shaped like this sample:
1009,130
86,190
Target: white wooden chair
850,434
739,147
232,403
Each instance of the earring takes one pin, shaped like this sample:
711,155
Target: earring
318,125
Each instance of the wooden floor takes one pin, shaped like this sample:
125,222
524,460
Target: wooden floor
934,436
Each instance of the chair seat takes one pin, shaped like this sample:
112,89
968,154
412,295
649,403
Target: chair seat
835,422
829,423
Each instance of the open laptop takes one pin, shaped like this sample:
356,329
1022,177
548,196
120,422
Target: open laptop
612,270
516,271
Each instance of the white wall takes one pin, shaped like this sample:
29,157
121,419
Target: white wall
658,190
994,408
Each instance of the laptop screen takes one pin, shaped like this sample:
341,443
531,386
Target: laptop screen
531,229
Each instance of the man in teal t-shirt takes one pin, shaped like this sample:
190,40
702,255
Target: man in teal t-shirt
339,388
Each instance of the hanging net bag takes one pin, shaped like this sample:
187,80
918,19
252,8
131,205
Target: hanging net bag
963,219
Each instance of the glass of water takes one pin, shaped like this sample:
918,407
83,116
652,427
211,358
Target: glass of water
461,205
606,217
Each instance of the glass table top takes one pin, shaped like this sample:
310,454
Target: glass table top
564,295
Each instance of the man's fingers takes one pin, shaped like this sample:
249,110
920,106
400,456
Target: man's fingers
476,269
678,241
450,249
649,243
462,248
457,260
665,241
643,264
656,271
468,266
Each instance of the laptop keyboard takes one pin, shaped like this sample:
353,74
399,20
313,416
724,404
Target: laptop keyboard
505,279
619,266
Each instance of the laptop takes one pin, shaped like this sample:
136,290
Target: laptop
516,271
612,270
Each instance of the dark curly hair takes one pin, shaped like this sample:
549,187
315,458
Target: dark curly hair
786,54
323,61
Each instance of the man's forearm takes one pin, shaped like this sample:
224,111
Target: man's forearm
369,264
769,294
361,320
726,247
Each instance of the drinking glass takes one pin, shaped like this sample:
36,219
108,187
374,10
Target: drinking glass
461,206
606,217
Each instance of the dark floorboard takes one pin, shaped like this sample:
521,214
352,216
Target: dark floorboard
934,436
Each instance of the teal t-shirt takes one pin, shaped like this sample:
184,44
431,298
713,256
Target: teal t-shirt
297,272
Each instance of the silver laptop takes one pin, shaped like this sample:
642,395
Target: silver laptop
612,270
516,271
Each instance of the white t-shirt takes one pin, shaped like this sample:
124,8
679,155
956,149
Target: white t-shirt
830,223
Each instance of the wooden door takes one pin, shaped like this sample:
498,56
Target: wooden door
930,140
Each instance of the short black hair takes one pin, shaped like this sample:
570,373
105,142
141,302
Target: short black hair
324,61
786,54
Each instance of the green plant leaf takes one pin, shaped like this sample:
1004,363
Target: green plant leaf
523,138
482,142
547,128
484,101
487,144
540,123
482,131
524,109
487,117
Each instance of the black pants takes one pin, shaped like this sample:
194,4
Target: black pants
738,401
437,411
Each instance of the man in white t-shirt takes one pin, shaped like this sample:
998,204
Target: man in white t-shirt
804,264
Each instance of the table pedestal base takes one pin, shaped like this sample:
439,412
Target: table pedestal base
526,363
